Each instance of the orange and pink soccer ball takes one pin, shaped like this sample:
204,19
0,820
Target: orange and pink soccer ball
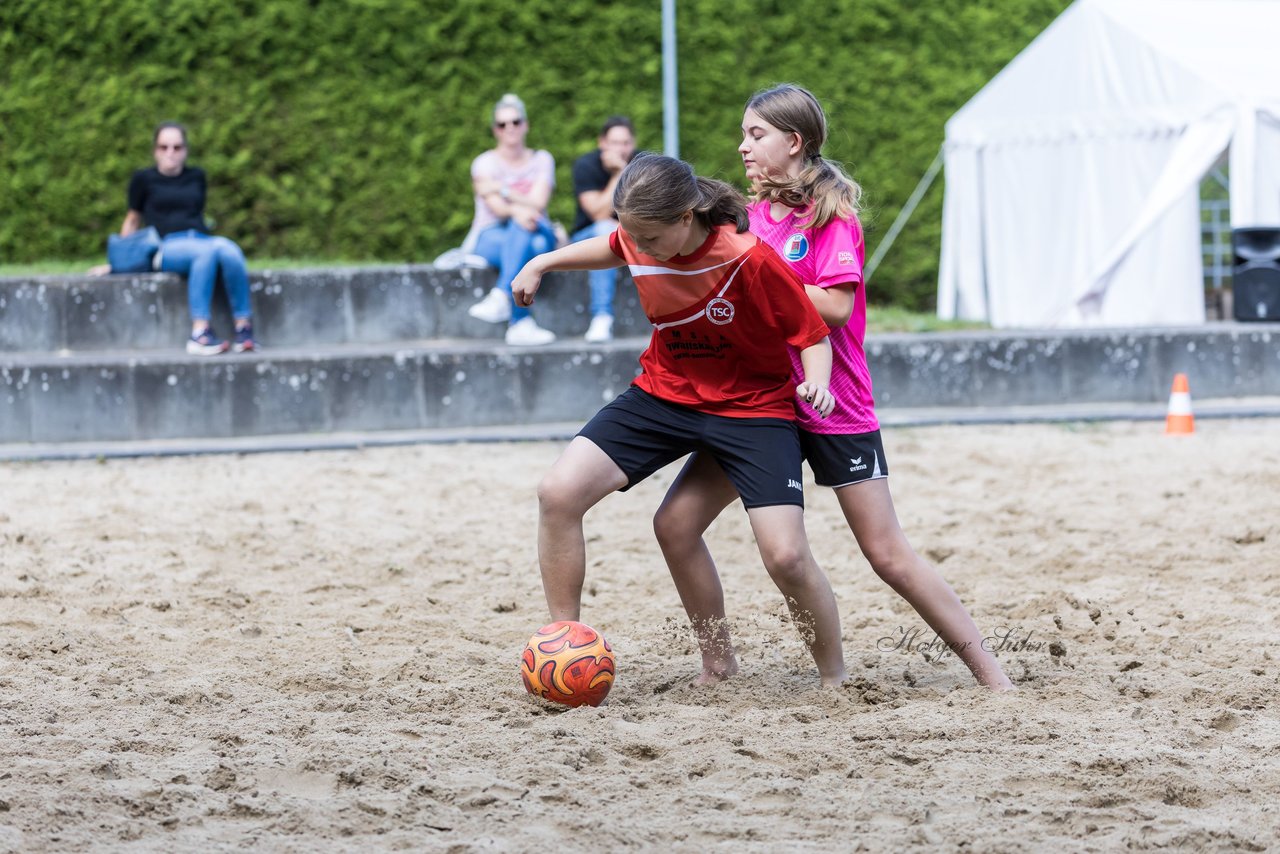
568,663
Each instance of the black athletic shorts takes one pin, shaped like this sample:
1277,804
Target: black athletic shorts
839,459
641,434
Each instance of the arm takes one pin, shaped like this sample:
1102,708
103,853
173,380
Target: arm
834,304
537,197
524,208
597,201
816,361
598,204
132,222
593,254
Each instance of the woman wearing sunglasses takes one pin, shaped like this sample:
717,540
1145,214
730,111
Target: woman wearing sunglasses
513,184
171,197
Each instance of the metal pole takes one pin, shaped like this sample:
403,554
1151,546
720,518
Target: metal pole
670,100
903,215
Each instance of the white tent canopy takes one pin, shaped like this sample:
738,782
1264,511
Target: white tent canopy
1073,177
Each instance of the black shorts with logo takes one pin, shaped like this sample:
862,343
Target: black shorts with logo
642,434
839,459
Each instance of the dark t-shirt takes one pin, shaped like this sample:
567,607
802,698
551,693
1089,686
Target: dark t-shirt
588,174
170,203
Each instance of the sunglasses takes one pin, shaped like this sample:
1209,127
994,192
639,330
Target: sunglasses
170,147
515,123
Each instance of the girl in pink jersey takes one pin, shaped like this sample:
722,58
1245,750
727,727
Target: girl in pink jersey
715,378
805,207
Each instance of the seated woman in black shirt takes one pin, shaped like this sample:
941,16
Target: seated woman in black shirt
171,197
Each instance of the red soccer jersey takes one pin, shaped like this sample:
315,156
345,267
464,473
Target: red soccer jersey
722,319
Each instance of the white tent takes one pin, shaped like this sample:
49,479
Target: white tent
1073,177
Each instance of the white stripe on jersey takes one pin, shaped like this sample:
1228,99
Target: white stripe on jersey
694,317
647,270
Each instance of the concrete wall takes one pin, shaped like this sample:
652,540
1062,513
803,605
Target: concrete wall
393,349
154,397
1024,369
292,308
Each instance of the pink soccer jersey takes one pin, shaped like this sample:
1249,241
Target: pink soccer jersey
827,256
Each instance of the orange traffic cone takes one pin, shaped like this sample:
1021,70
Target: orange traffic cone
1180,421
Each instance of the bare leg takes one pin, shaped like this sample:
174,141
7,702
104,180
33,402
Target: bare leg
784,547
868,507
577,481
699,494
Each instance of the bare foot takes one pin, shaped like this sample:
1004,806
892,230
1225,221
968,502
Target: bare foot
835,681
716,671
994,679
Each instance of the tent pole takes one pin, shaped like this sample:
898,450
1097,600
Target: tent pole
903,215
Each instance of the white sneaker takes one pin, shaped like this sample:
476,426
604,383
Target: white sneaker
526,333
494,308
601,329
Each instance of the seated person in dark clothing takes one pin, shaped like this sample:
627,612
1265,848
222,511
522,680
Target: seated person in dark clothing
171,197
595,175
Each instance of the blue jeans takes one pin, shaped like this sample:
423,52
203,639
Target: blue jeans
508,246
603,282
200,257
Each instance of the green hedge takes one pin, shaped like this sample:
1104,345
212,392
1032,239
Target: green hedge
346,129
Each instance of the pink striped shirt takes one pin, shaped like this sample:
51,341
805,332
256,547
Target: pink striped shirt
827,256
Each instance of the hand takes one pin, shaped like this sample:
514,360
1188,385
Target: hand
612,161
816,396
99,269
526,284
526,217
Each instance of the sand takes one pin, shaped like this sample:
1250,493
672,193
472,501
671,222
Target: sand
318,652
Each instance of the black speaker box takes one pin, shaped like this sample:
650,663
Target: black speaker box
1255,292
1255,286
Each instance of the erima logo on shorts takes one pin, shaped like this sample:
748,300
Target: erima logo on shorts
858,464
720,311
794,484
796,247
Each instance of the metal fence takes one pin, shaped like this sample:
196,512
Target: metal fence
1215,231
1215,242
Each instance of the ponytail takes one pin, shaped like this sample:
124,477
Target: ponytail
656,188
720,204
822,187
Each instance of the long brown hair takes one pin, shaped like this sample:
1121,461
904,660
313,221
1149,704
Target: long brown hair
657,188
823,187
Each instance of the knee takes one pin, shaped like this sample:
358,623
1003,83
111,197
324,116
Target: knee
557,496
673,528
228,250
896,566
790,566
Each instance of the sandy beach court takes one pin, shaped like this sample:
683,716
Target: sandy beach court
318,652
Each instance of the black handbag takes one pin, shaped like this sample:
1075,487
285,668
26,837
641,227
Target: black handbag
135,253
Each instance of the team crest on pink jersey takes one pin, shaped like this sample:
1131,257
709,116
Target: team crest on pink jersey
720,311
796,247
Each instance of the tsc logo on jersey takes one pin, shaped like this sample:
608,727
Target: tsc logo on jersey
720,311
796,247
846,258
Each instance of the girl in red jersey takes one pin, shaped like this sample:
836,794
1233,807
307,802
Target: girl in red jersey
715,378
805,207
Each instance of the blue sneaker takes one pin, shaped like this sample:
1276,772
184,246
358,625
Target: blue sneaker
244,339
206,344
